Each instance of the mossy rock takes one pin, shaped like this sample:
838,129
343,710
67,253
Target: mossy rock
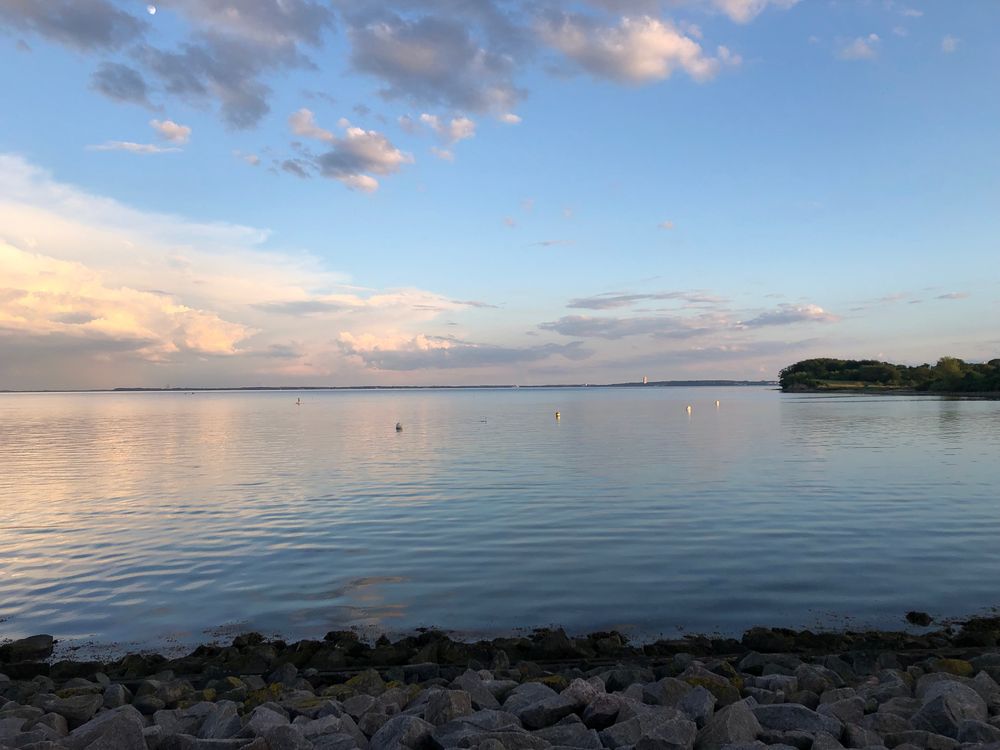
958,667
209,694
555,681
339,692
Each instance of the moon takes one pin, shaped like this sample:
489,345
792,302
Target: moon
151,9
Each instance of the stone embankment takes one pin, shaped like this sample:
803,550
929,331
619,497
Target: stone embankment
774,688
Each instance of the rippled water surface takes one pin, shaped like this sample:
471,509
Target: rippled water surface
156,518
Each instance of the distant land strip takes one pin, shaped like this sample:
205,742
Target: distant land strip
172,389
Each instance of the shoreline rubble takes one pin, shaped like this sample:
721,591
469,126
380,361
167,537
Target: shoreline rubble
785,689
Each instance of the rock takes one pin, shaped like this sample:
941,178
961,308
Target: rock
222,722
116,696
837,694
546,712
570,734
286,737
885,723
285,674
148,704
988,690
789,716
764,697
946,705
676,734
754,663
774,683
792,738
358,705
336,741
446,705
817,679
848,711
369,682
698,704
723,690
971,730
262,719
921,619
34,648
525,695
629,732
117,729
858,736
621,677
824,741
403,733
583,692
734,724
665,692
919,738
77,710
458,733
10,727
958,667
602,712
479,694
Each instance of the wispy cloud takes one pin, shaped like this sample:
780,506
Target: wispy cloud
861,48
790,314
135,148
949,44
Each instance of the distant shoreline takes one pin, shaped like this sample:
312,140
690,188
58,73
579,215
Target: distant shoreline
209,389
876,391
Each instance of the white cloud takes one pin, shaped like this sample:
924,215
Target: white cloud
510,119
912,12
788,314
355,156
949,44
862,48
666,225
744,11
171,131
443,153
450,131
135,148
636,50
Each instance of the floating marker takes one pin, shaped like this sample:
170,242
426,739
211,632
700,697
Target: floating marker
716,403
557,415
399,426
689,409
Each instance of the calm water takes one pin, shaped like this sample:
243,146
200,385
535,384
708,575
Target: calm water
137,519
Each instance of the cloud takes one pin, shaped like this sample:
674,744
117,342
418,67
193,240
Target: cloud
451,132
355,156
912,12
665,225
637,50
171,131
789,314
610,301
949,44
117,296
444,353
86,25
862,48
297,168
554,243
121,83
663,327
510,119
134,148
953,295
510,222
744,11
433,60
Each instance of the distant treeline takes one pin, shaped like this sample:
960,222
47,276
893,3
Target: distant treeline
949,375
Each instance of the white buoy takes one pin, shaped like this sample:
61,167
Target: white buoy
689,410
399,426
716,403
557,415
298,402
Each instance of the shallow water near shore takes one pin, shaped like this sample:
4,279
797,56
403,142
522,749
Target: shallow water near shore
167,519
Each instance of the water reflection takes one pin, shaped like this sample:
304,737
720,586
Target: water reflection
168,515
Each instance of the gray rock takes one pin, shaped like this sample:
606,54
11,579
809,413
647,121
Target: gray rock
116,696
621,677
837,694
525,695
55,722
373,721
754,663
946,705
698,705
920,738
570,734
817,678
734,724
285,674
825,741
792,738
77,710
336,741
117,728
602,712
221,723
187,742
675,734
446,705
460,732
885,723
403,733
546,712
848,711
971,730
764,697
774,683
479,694
630,731
286,737
11,726
858,736
358,705
665,692
789,716
583,692
148,704
988,690
34,648
904,707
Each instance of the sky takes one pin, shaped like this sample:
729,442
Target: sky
415,192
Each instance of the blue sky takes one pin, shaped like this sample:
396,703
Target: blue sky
460,191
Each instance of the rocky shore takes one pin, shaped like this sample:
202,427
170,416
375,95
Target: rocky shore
790,690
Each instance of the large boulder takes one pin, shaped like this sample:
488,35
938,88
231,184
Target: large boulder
34,648
734,724
446,705
120,728
946,705
788,716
